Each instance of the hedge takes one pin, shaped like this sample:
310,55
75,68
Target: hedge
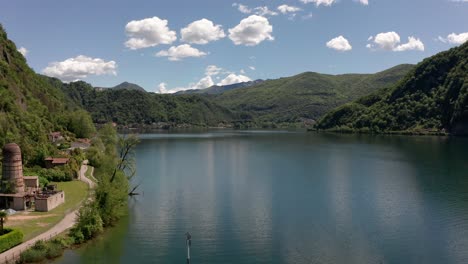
12,238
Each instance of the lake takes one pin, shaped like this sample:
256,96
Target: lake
292,197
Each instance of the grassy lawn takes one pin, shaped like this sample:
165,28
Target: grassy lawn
35,223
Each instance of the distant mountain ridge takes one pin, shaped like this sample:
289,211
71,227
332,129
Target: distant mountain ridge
124,86
306,96
299,99
218,89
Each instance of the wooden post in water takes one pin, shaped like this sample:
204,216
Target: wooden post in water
189,243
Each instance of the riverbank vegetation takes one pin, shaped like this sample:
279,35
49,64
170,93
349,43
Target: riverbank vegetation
113,171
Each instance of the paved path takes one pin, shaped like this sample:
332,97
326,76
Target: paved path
67,222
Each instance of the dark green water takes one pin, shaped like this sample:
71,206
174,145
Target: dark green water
272,197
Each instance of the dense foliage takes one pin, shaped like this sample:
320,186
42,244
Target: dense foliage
31,108
127,86
111,194
432,98
127,107
10,238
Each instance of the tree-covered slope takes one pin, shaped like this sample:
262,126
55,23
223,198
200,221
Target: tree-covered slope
305,96
126,86
433,97
129,107
31,108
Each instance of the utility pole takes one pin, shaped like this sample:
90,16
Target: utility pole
189,243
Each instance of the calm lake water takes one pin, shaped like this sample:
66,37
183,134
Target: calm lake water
288,197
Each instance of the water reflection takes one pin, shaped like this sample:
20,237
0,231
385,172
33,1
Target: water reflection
295,198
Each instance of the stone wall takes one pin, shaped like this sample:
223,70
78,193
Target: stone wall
45,203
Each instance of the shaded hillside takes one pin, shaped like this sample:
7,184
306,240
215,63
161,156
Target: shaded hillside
215,89
305,96
128,107
433,97
30,108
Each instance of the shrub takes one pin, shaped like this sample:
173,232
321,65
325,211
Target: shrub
10,239
55,175
31,256
89,224
44,250
40,245
54,250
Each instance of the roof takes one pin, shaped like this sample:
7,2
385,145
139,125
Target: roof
31,177
58,160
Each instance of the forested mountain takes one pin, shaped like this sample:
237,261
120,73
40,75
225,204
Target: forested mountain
132,107
125,86
281,102
433,97
31,108
218,89
305,96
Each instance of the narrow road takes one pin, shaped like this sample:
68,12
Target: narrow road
11,255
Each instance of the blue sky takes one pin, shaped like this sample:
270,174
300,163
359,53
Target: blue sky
96,41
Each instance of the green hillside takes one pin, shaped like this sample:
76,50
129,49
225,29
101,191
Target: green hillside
126,86
133,107
432,98
31,108
305,96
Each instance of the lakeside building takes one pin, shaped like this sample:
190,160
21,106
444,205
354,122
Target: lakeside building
21,192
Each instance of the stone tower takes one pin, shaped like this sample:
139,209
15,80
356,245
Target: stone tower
12,179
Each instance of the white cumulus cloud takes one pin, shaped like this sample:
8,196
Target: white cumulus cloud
212,70
412,44
252,68
148,32
162,88
23,51
284,9
339,43
242,8
204,82
177,53
456,39
233,78
391,41
202,32
251,31
264,11
364,2
260,10
80,67
319,2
